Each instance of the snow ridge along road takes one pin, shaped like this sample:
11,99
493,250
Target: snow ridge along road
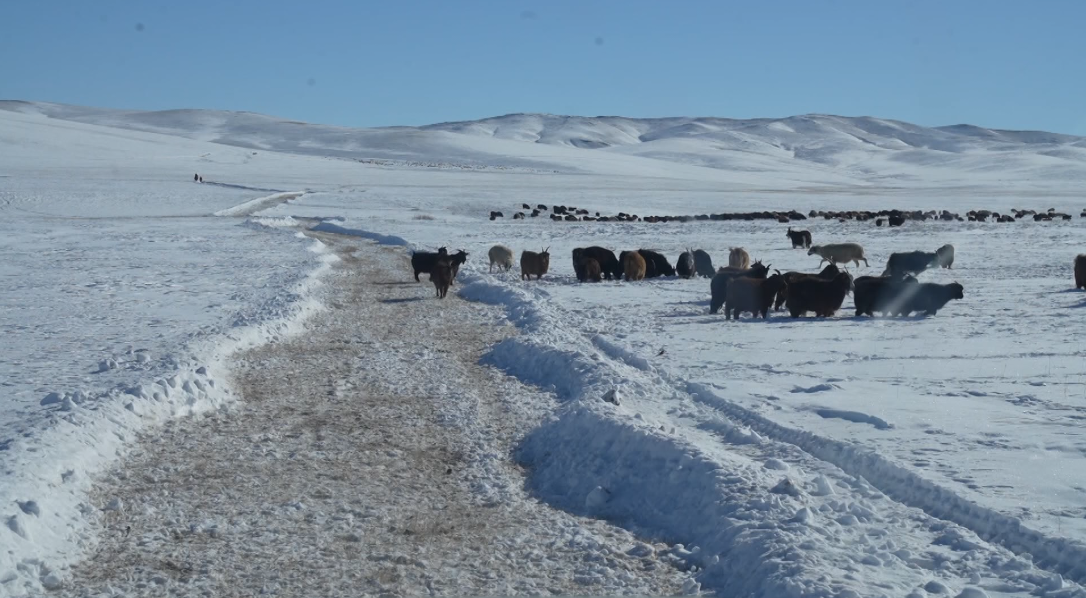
368,456
763,509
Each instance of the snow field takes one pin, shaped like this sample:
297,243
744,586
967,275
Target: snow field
716,483
864,456
75,398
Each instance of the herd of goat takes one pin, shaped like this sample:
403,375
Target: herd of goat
892,217
742,286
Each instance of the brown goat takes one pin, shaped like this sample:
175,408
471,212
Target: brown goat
442,276
739,258
751,294
634,265
534,263
592,272
1080,271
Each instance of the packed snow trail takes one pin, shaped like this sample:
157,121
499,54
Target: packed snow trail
368,456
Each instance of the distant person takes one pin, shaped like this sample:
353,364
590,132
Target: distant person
201,179
196,178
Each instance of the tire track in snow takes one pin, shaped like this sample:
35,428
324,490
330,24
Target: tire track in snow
1060,555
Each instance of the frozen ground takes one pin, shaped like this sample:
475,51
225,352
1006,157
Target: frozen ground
923,456
369,457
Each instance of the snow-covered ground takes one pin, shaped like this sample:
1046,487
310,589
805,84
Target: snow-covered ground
810,457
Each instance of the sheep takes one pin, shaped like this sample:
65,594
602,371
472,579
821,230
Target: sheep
839,253
592,271
881,293
719,285
534,263
1080,271
929,297
945,255
441,275
501,256
738,258
827,273
634,265
684,267
912,262
423,261
610,265
799,238
824,297
703,264
456,261
751,294
656,264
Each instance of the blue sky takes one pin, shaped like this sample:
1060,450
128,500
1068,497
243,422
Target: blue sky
1005,64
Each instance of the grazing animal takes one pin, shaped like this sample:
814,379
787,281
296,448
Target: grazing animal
456,260
827,273
912,262
591,270
738,258
945,255
442,276
534,263
881,294
578,263
500,256
634,265
823,297
929,298
684,267
703,264
751,294
799,238
656,264
719,285
610,265
423,261
586,268
1080,271
839,253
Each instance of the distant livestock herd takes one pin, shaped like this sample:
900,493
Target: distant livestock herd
891,218
745,287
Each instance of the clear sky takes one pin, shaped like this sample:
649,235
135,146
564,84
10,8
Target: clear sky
997,63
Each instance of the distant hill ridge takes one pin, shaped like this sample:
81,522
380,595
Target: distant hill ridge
811,146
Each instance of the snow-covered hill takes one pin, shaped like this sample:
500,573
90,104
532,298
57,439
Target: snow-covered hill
809,149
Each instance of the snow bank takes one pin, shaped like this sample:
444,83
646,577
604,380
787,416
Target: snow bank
601,456
261,203
330,227
48,473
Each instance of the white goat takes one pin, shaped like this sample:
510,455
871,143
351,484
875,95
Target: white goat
502,256
944,256
836,253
